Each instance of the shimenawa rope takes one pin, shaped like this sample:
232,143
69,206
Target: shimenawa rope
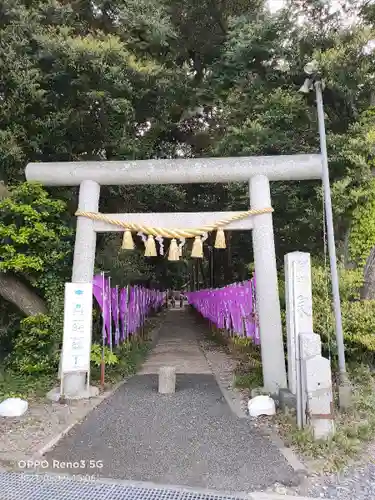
174,233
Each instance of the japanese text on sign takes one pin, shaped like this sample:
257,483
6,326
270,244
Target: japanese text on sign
77,327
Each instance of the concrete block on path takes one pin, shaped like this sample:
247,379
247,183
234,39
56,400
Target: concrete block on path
167,380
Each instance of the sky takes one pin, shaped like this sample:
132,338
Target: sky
275,4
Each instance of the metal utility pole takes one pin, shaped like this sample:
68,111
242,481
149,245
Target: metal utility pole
330,231
314,81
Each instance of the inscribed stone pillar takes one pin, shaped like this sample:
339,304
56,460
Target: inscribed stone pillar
300,261
268,305
83,263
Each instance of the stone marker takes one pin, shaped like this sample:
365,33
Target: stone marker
303,296
317,387
167,380
316,381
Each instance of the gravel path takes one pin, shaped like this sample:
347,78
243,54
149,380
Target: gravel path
136,436
190,438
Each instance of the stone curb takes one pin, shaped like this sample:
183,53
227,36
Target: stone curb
52,442
288,453
233,404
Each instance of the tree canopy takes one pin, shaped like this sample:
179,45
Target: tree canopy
163,79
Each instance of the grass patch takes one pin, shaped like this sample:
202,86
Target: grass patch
215,335
29,387
248,373
354,428
130,357
248,380
35,387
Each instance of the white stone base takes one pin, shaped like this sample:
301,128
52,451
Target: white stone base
92,392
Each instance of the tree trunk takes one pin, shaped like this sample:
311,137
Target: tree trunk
196,271
368,290
16,292
19,294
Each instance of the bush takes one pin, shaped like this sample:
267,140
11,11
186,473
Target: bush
110,358
34,347
35,239
358,317
359,330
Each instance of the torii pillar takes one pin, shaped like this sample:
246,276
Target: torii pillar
257,171
267,288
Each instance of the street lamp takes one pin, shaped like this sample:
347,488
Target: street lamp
314,81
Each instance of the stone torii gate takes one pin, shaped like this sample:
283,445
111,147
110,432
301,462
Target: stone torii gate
257,171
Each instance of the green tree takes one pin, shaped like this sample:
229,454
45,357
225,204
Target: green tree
164,79
35,246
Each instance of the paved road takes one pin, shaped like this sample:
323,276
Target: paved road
189,438
177,346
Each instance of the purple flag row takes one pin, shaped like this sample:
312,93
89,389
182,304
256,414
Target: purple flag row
232,308
124,310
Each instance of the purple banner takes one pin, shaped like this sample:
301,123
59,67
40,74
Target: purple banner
232,308
100,284
125,308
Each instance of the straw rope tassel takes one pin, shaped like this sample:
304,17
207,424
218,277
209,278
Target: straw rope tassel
220,239
174,252
150,247
197,251
127,240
